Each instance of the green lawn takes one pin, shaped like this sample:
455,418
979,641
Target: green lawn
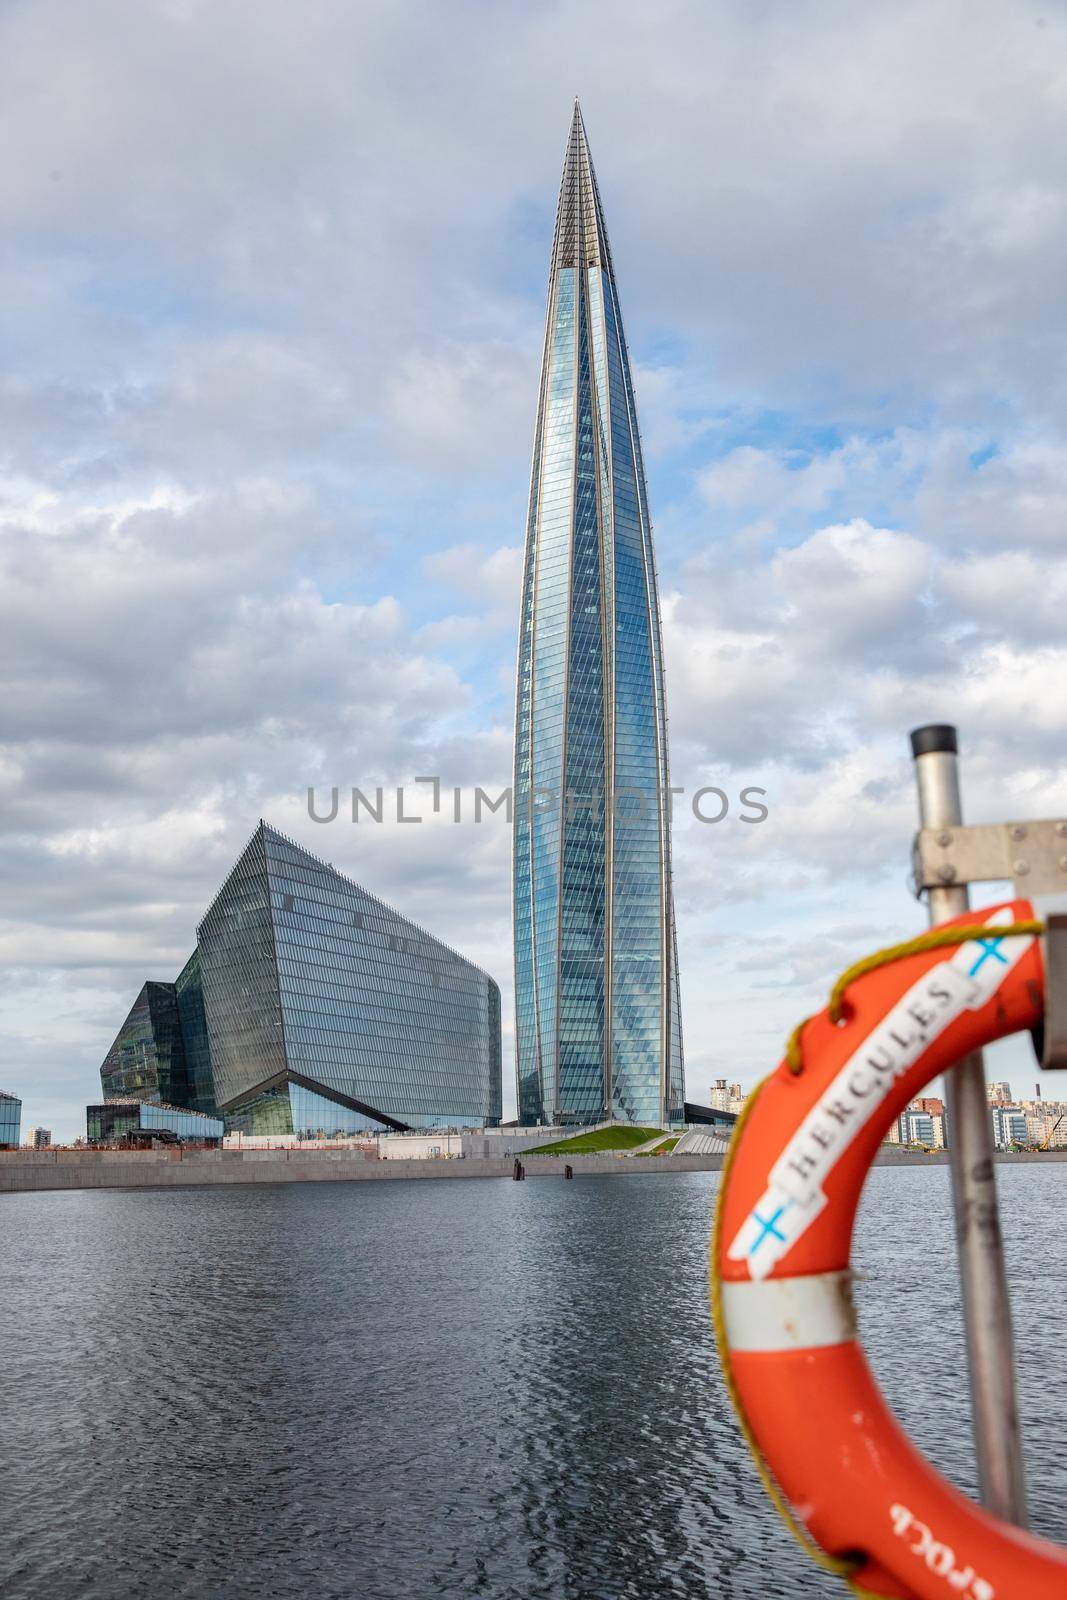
663,1149
619,1137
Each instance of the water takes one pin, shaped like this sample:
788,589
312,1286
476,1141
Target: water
476,1389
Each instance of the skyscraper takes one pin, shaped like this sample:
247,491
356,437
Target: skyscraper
596,974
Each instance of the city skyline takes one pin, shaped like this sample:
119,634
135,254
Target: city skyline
269,399
597,1010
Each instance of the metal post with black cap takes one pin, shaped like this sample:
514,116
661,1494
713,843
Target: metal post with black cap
983,1280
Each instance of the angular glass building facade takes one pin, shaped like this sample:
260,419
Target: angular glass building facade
147,1060
311,1007
326,1007
598,1029
189,996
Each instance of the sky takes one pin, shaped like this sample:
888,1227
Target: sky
272,308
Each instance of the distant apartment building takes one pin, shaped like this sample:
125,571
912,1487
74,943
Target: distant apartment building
917,1127
726,1097
311,1008
10,1120
1009,1126
923,1122
1042,1130
39,1138
999,1094
1031,1123
1046,1123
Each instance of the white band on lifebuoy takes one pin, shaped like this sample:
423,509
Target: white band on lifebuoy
776,1314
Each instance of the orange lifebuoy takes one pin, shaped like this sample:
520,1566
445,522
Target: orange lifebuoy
781,1281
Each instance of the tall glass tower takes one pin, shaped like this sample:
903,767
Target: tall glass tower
598,1030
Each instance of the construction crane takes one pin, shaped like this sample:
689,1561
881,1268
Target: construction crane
1051,1131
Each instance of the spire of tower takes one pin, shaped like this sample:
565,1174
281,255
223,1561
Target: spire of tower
581,236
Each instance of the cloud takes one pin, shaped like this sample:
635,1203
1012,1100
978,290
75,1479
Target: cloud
1017,496
758,478
1015,594
856,591
459,405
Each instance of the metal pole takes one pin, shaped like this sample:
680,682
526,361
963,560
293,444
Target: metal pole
983,1281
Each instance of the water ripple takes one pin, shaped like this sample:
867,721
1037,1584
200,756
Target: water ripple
465,1389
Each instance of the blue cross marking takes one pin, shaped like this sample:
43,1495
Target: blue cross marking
989,948
770,1226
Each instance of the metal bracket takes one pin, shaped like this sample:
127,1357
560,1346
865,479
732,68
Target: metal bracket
1033,856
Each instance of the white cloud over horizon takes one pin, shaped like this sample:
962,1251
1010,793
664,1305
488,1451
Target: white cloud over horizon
274,313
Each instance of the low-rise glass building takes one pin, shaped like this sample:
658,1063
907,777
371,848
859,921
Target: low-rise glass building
311,1007
115,1118
10,1120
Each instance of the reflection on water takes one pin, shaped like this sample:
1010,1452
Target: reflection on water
469,1389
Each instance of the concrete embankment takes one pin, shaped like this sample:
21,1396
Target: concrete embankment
940,1158
145,1169
140,1169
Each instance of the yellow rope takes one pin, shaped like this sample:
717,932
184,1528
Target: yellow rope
936,939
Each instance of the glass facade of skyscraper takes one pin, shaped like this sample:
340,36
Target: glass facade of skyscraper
598,1029
310,1007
